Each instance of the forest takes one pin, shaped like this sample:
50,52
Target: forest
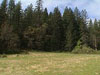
34,28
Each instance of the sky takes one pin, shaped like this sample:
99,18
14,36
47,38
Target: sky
92,6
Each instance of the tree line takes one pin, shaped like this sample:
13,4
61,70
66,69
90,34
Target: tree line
36,29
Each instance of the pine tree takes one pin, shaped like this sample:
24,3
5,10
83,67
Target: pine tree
98,35
45,16
72,33
3,12
40,30
83,28
18,18
90,28
50,29
0,16
65,18
11,11
95,34
57,34
28,17
38,13
9,40
77,14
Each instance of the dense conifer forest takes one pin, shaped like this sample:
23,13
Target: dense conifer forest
38,29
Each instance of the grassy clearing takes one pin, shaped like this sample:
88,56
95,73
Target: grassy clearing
42,63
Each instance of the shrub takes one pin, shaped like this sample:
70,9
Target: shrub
82,49
3,56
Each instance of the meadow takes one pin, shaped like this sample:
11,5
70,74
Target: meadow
50,63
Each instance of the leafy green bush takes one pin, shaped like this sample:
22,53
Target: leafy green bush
82,49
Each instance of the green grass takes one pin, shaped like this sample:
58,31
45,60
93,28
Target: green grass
45,63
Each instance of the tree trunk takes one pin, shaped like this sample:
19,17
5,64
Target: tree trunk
95,43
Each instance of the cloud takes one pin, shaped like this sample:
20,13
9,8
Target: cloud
92,6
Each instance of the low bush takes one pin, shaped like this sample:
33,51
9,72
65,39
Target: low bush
83,49
3,56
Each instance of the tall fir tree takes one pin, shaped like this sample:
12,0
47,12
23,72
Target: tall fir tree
95,34
65,18
72,33
77,14
57,34
38,12
83,28
18,18
90,28
28,17
45,16
11,11
3,12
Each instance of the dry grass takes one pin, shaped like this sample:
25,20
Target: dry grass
38,63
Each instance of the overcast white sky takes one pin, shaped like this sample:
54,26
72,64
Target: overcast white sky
92,6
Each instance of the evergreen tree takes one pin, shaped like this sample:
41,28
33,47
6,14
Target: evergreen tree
98,35
38,13
3,12
49,32
65,18
95,34
77,14
9,40
28,17
45,16
29,35
37,29
90,28
83,28
11,11
57,34
72,33
18,18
